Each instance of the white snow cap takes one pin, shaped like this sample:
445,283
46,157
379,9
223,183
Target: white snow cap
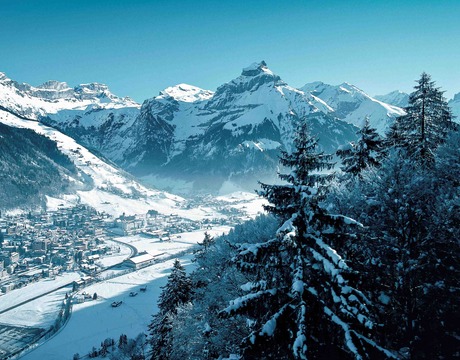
256,68
186,93
54,85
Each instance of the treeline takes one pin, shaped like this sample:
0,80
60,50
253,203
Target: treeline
31,166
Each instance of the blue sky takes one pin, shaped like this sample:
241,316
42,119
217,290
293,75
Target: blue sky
140,47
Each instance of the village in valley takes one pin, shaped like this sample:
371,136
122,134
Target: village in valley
69,256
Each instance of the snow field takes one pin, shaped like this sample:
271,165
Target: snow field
32,290
94,321
40,313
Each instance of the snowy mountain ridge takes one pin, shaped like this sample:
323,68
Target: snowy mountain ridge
454,104
352,104
236,132
186,133
53,96
186,93
395,98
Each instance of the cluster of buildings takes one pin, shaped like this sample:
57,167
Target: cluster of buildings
41,244
154,223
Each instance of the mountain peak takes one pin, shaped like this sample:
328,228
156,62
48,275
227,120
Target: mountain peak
186,93
256,68
92,88
395,98
54,85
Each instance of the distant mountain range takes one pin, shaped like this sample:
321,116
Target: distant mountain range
187,138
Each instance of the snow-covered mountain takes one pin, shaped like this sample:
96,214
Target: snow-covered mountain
203,137
395,98
234,134
92,180
53,96
352,105
199,137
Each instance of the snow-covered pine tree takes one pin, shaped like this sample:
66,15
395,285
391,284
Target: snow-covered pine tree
409,252
204,246
363,153
426,124
302,303
160,336
177,291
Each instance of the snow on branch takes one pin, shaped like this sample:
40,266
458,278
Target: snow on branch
253,249
300,343
270,326
328,266
251,286
347,333
346,220
387,353
298,284
243,301
336,258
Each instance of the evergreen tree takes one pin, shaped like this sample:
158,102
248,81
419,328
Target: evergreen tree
426,124
408,253
177,291
362,154
302,303
207,242
161,339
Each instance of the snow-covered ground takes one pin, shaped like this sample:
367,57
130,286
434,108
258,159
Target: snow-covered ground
179,242
33,290
40,313
249,203
94,321
119,253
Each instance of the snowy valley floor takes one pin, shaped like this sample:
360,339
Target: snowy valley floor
96,320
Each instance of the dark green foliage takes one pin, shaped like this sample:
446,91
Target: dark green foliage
409,252
364,153
31,166
204,246
176,292
426,124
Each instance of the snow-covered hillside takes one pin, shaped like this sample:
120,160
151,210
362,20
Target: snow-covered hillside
353,105
98,183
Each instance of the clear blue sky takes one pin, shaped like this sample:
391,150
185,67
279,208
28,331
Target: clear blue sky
140,47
